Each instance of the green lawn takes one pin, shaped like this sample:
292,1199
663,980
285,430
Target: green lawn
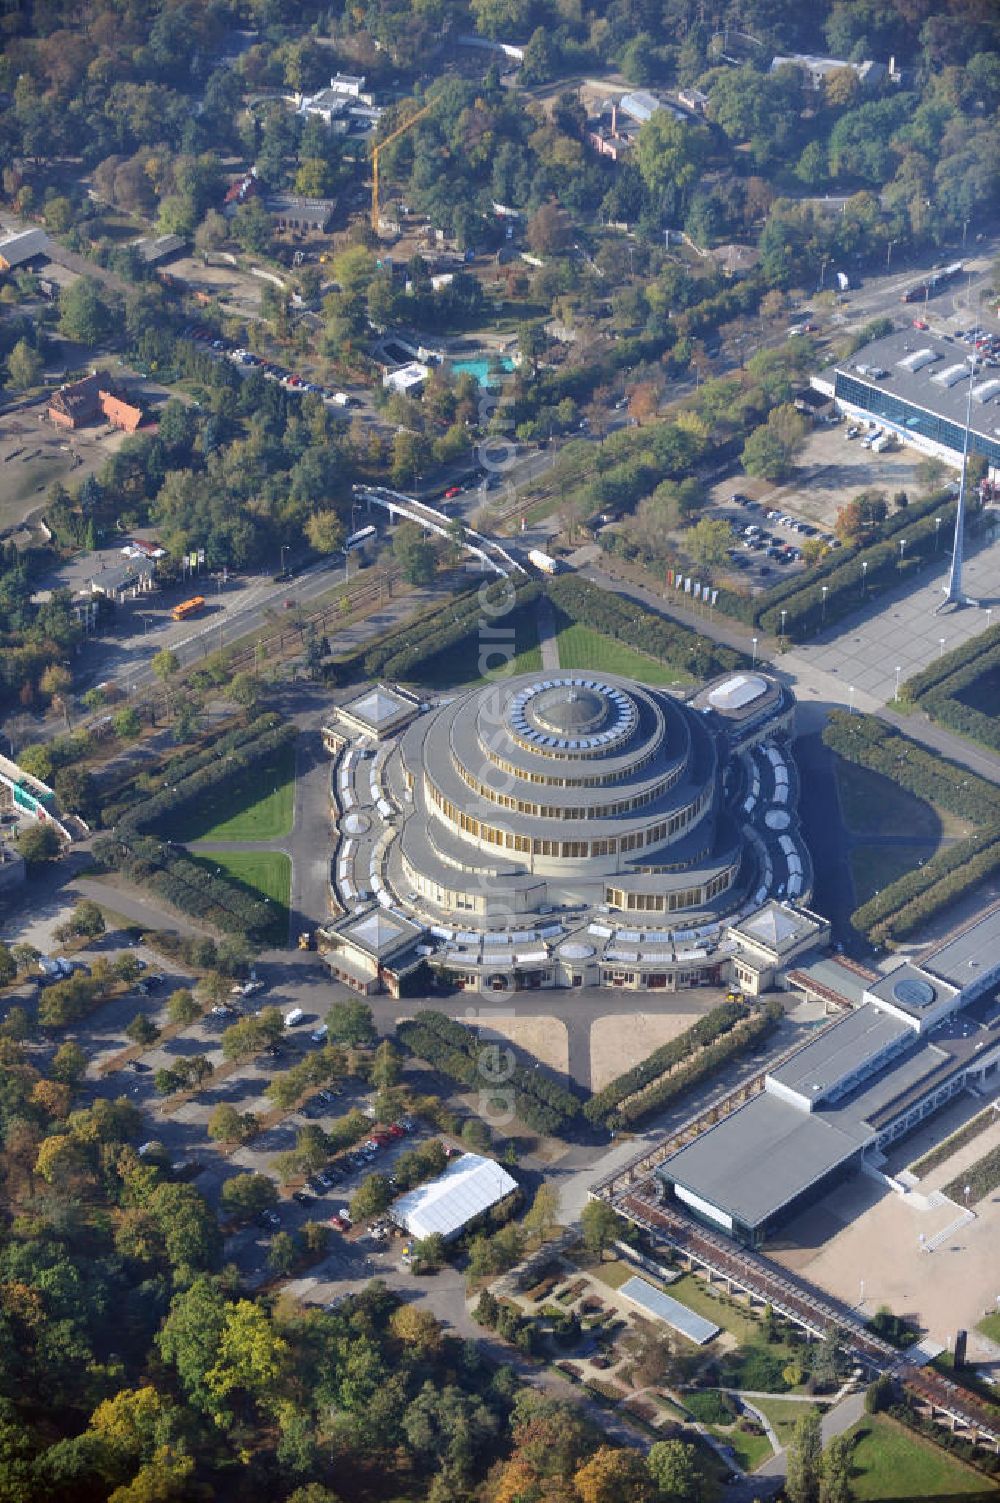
874,866
990,1326
783,1414
257,805
581,647
891,1462
750,1450
691,1291
613,1274
268,873
874,805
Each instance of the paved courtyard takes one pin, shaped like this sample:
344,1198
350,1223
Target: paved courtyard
902,627
920,1254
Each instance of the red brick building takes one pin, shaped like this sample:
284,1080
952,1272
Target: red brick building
89,400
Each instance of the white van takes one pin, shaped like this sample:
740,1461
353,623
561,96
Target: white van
295,1016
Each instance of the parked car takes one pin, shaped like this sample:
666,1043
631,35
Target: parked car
269,1219
301,1198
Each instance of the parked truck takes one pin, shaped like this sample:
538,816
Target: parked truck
295,1016
542,562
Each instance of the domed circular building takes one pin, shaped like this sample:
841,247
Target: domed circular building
570,790
562,830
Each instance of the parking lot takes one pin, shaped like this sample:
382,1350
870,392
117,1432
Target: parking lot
830,471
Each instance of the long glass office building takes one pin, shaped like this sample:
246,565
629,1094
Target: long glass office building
916,385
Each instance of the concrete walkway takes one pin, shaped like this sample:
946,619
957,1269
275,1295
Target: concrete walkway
835,1421
548,642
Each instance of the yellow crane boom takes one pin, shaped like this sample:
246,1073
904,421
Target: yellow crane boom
377,151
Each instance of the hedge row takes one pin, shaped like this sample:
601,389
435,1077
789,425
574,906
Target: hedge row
873,744
906,904
941,894
184,764
934,675
944,703
783,590
456,1050
941,1152
187,885
745,1034
222,767
401,653
715,1023
949,1440
627,621
845,581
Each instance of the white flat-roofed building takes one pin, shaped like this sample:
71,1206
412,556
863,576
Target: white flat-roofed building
468,1188
378,713
407,378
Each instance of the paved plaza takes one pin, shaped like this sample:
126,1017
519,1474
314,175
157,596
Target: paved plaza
901,628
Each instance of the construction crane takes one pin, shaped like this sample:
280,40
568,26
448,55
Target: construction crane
377,151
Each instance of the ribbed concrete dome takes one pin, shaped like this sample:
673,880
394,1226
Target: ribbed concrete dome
572,710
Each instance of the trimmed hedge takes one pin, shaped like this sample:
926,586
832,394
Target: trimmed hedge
401,653
456,1051
169,872
906,904
183,765
934,675
704,1031
803,607
942,699
645,630
757,1026
871,743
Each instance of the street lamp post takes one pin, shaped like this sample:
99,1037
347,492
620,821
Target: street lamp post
754,641
941,642
823,590
937,534
864,577
284,550
898,671
851,693
902,550
784,613
989,616
888,253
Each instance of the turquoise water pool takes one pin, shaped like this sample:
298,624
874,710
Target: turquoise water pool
481,368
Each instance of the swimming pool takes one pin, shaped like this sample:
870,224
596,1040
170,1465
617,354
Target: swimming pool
481,368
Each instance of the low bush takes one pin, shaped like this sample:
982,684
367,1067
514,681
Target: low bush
540,1102
710,1406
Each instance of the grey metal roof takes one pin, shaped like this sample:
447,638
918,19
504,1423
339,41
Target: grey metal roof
912,990
834,976
840,1050
777,925
919,386
763,1156
966,956
378,933
16,249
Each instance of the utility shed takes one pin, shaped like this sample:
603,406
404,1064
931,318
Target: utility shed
468,1187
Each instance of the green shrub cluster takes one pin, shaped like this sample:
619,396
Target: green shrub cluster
656,1096
627,621
906,904
713,1025
942,699
456,1050
184,765
186,884
401,653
